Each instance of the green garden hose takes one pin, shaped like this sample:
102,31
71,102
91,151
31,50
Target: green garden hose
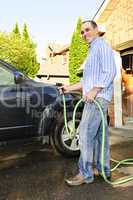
72,134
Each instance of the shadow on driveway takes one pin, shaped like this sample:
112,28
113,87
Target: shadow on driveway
39,175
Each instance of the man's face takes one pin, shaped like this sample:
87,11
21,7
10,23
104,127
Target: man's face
88,32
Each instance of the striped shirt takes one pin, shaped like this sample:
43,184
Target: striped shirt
100,69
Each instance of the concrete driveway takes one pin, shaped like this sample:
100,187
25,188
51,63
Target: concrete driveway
39,175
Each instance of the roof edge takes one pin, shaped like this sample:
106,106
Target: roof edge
101,9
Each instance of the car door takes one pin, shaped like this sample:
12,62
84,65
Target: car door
14,120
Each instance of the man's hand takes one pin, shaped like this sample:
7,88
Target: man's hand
64,89
90,96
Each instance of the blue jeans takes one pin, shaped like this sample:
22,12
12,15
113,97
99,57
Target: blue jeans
90,139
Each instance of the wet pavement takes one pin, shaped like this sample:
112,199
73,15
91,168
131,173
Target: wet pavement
35,172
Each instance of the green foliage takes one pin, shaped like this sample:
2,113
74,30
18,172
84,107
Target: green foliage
19,52
25,33
77,53
16,31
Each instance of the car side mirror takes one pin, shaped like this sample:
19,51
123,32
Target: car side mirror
18,77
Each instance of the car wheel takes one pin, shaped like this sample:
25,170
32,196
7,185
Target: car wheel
63,142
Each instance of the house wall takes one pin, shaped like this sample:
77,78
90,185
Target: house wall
118,19
55,65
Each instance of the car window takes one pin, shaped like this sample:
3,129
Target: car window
6,76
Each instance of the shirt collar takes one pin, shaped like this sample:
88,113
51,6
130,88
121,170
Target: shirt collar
93,41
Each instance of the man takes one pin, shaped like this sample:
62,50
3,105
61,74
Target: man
97,83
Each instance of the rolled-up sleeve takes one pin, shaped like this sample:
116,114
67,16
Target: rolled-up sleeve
107,66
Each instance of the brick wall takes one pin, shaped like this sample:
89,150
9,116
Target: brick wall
111,112
118,21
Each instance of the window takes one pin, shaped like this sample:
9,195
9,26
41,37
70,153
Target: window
6,77
127,60
64,59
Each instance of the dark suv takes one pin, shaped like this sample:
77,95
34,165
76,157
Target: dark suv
29,109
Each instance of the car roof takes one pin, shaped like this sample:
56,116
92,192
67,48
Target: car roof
9,66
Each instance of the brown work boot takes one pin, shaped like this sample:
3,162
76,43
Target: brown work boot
78,180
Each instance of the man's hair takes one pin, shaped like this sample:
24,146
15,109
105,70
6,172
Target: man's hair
93,23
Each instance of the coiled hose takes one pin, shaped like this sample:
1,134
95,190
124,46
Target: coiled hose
72,133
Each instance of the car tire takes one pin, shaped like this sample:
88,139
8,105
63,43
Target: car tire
61,140
57,137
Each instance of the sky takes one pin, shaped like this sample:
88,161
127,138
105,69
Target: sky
47,20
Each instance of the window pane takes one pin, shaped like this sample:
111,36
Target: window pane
6,77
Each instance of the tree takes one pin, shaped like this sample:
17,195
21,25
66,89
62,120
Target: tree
16,31
77,53
26,37
25,33
30,44
17,52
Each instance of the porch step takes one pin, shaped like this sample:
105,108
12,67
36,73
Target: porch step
120,135
124,131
